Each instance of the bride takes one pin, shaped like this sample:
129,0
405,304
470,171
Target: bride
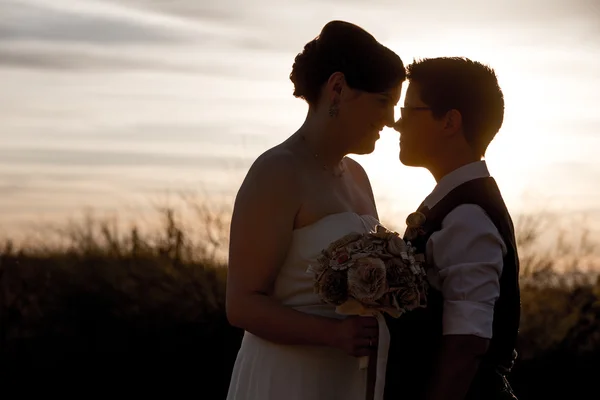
297,198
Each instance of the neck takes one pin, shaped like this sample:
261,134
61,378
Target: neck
321,140
443,166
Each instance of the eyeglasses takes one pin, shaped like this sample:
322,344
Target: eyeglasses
404,110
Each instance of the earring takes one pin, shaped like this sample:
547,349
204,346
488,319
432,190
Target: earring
333,110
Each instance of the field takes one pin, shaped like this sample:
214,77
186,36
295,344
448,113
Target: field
143,311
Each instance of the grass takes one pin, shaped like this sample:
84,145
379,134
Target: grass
145,309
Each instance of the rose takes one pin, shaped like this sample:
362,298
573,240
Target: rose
408,297
414,225
339,259
366,280
398,273
342,243
415,219
396,246
333,286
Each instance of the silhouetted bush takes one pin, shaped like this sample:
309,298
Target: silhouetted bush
147,312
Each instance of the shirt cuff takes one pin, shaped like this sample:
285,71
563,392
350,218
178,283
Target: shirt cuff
468,318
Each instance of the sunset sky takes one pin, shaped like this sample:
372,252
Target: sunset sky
105,104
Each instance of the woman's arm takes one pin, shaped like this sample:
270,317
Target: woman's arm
261,231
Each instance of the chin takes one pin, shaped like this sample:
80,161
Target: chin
366,149
407,160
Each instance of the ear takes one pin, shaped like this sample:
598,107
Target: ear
452,123
336,85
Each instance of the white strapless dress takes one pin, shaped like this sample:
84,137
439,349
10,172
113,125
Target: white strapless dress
268,371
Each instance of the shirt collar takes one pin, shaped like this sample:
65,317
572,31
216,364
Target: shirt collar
468,172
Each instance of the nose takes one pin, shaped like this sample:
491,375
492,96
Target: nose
389,119
398,125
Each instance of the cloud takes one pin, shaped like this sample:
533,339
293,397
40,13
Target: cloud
285,25
65,59
274,23
49,157
33,21
68,60
176,133
227,28
101,36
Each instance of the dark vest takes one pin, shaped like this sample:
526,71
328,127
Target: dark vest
416,335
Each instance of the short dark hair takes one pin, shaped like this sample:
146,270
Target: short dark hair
470,87
347,48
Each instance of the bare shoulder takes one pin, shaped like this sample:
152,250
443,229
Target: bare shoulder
274,173
359,174
275,164
355,167
279,156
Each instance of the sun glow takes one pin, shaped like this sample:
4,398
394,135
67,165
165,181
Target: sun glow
517,147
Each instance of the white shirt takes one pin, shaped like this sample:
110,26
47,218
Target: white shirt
466,257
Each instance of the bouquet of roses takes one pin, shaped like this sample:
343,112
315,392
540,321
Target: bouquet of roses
370,273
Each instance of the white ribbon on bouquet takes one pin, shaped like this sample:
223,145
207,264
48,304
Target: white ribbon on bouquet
353,307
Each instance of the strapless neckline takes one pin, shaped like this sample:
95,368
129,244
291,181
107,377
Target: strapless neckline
267,371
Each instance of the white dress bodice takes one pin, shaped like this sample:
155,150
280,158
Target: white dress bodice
269,371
